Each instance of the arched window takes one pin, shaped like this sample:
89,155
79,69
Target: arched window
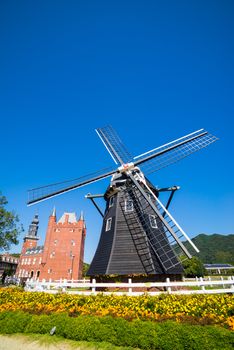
108,224
111,201
128,205
153,221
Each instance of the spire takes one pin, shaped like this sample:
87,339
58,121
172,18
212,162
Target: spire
54,212
81,216
33,228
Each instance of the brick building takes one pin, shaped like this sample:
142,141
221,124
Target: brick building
62,254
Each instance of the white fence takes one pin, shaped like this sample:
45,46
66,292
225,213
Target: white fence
84,287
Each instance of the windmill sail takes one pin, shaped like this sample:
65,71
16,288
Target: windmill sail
153,246
114,145
42,193
166,224
174,151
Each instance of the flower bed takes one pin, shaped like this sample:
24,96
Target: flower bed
193,309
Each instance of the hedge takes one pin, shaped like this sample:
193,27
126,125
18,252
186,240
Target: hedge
117,331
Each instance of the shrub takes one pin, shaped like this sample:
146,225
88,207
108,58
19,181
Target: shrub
141,334
14,322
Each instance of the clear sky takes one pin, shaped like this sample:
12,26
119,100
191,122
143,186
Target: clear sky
154,70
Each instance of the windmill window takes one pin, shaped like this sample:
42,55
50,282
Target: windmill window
150,197
153,221
128,205
111,201
108,224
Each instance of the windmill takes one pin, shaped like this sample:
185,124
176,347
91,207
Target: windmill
139,235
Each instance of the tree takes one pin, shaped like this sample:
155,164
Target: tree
9,228
193,267
85,268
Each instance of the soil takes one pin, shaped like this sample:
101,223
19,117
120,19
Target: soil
21,342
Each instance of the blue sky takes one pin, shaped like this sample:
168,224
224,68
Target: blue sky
154,70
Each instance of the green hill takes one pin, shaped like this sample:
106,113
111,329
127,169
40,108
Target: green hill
215,248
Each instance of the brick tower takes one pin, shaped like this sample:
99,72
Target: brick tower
63,251
62,254
30,239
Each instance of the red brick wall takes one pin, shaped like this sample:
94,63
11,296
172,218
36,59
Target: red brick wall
63,252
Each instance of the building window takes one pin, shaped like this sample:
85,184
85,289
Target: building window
57,230
73,242
34,261
29,261
108,224
111,201
40,260
55,242
69,270
72,230
52,254
128,205
49,270
38,274
153,221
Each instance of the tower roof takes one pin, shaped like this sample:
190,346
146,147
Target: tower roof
71,218
81,216
54,212
33,228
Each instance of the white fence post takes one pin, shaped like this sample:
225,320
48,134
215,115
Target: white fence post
168,288
130,289
202,287
93,288
221,277
231,279
209,278
64,285
49,283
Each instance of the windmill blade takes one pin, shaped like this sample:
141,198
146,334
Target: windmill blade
154,245
114,145
42,193
148,246
174,151
169,236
